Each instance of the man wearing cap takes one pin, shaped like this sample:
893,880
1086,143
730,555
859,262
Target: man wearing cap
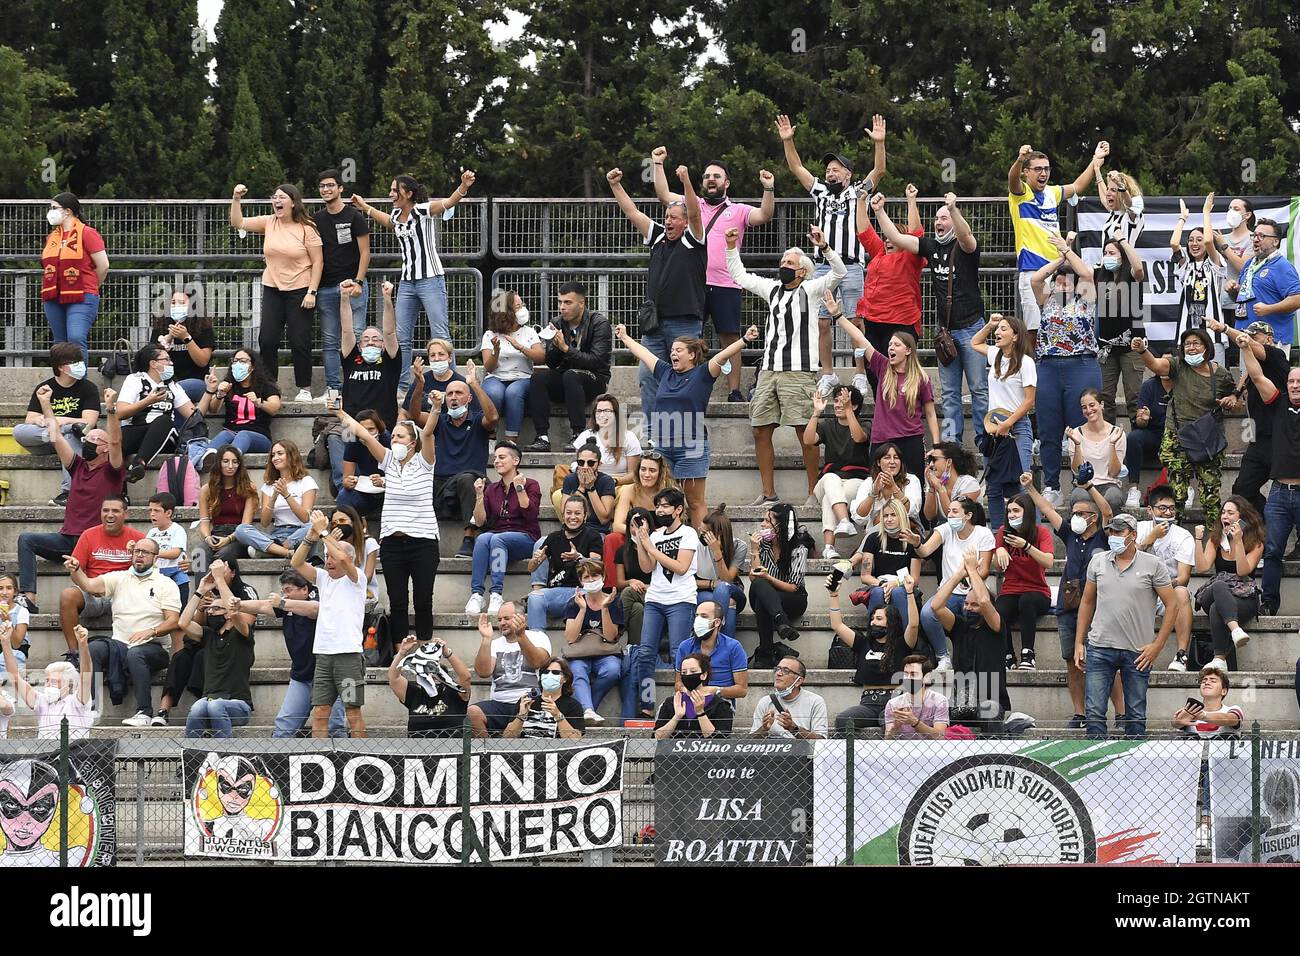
835,198
721,294
97,472
1258,458
1268,287
1117,616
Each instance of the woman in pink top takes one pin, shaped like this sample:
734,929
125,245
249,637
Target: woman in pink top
904,403
1101,445
290,281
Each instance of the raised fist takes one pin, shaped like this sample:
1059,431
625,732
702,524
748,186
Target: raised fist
614,176
240,191
659,154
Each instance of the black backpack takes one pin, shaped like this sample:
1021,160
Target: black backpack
378,641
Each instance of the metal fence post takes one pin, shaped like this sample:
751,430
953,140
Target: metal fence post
849,848
139,810
1254,792
469,841
65,768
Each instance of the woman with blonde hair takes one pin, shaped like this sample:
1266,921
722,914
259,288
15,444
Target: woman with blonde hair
654,474
1122,197
286,497
884,557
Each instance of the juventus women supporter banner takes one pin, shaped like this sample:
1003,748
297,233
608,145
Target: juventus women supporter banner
993,803
1279,801
401,808
31,803
1162,295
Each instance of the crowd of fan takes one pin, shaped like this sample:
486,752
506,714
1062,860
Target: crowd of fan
641,562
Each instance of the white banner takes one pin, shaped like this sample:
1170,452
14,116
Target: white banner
401,808
1279,801
1007,802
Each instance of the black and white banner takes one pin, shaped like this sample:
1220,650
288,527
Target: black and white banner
1162,295
733,802
31,806
402,808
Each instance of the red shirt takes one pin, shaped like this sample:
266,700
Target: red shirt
89,488
98,552
92,242
893,292
1024,575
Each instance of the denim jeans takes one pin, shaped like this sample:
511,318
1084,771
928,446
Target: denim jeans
975,368
220,715
511,400
933,630
546,604
247,441
723,595
331,327
658,342
594,677
412,294
493,550
677,619
50,545
295,710
627,689
1281,514
999,493
848,292
193,389
1143,447
1100,667
34,439
72,322
897,597
289,535
1061,383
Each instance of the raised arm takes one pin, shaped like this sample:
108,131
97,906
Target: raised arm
1081,183
693,216
877,136
1158,366
786,131
960,227
457,194
662,192
731,351
1015,179
1044,507
640,221
1267,390
767,208
383,218
890,232
913,210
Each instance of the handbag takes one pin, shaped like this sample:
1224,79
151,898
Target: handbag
1202,440
1069,594
591,644
1240,587
118,364
945,348
840,656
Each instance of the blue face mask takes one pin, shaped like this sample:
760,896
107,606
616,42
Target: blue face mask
141,574
77,370
1117,544
239,371
956,523
371,353
726,367
788,692
1016,522
167,373
1194,360
439,368
552,682
180,313
1110,263
458,413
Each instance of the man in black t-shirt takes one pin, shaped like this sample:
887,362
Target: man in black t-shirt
75,403
679,259
953,256
1257,461
345,245
979,698
554,564
433,684
371,369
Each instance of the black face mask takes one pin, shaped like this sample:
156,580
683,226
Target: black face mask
787,275
89,451
877,632
692,681
717,200
663,521
833,188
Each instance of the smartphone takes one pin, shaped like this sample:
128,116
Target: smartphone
776,702
1194,706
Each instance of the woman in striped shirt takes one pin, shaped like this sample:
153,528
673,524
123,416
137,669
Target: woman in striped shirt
408,535
779,552
414,221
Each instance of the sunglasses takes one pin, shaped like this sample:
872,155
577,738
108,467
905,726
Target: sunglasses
651,456
560,673
590,463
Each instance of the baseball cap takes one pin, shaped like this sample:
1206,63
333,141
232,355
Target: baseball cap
1256,327
839,158
1122,522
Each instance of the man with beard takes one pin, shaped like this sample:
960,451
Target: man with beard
719,213
236,780
29,801
835,197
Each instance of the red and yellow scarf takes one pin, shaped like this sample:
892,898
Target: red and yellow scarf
61,261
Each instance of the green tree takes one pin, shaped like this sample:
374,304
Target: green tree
252,162
256,38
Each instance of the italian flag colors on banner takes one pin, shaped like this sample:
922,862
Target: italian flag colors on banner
1007,802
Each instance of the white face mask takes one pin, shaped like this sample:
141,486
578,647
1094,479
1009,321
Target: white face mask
400,451
1078,524
591,587
51,693
1233,219
521,316
55,216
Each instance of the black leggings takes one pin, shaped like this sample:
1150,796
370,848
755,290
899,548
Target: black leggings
414,562
281,307
180,673
773,608
1026,608
1222,606
148,440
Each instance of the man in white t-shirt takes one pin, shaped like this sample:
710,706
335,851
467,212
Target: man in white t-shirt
340,661
511,660
1214,718
1172,544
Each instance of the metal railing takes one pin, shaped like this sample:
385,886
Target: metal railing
198,230
606,799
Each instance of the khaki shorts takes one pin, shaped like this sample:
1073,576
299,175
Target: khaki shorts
339,675
782,398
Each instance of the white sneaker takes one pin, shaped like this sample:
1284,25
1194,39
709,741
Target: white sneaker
862,384
1134,499
591,717
494,604
830,554
1052,496
1219,664
826,384
474,605
1036,447
846,527
138,719
252,551
1239,637
945,664
304,395
158,721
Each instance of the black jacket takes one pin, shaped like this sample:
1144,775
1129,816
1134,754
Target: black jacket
591,347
